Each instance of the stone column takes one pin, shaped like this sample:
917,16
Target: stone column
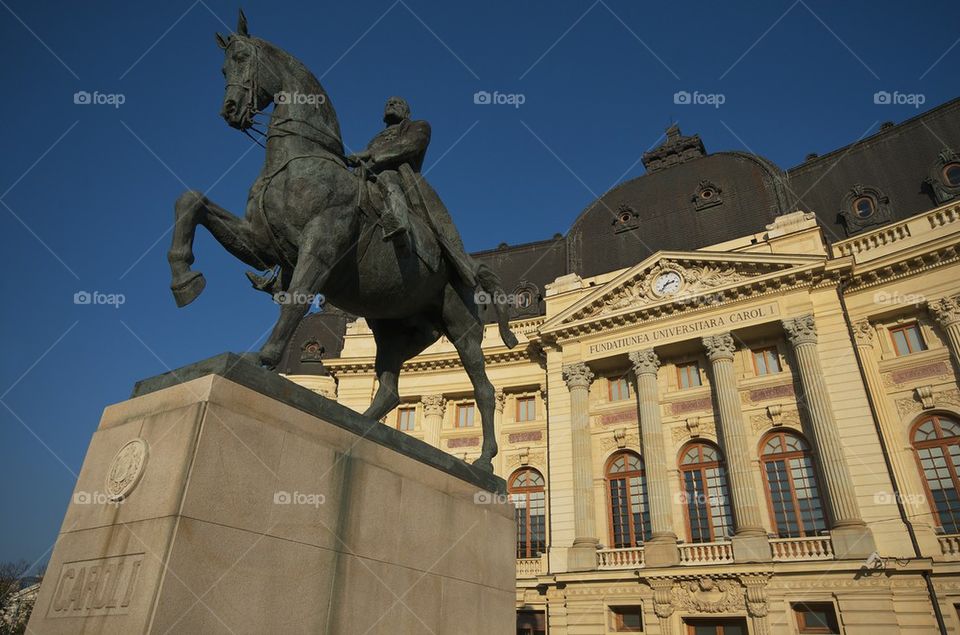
582,556
433,409
947,313
902,462
661,550
850,535
750,541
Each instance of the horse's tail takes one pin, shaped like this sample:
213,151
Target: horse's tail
490,282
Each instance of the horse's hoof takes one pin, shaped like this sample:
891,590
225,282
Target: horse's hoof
484,464
187,288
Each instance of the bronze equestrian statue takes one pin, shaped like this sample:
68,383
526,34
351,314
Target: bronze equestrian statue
376,241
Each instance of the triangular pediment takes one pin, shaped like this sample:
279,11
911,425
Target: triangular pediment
689,279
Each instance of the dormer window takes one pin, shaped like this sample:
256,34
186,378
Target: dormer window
944,176
706,195
862,207
625,219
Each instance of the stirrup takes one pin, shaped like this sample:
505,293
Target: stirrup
267,282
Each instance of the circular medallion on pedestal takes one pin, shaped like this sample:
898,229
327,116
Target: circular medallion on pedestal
125,469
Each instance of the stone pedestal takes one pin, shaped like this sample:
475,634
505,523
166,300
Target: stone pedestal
223,498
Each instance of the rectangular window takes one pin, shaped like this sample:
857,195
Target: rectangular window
724,626
526,408
907,339
816,617
619,388
766,361
465,414
406,419
627,619
688,375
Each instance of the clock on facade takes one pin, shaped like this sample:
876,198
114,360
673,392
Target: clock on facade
667,283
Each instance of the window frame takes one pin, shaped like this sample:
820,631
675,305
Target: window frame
855,207
799,618
463,407
701,467
523,400
626,476
413,412
944,443
617,612
527,491
615,381
683,370
814,475
769,353
943,174
903,328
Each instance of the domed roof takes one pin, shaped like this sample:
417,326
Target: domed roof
688,199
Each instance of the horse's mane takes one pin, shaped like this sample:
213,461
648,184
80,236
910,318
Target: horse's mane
300,69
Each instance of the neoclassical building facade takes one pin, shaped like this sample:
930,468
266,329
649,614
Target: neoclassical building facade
750,424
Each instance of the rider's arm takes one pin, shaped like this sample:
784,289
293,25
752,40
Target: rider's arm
407,148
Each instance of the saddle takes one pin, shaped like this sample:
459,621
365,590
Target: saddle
372,205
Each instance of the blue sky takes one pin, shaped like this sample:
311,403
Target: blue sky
87,189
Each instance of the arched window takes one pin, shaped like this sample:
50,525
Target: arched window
529,501
706,493
937,442
792,489
629,509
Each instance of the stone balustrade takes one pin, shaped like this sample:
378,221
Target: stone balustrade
950,546
628,558
791,549
706,553
530,567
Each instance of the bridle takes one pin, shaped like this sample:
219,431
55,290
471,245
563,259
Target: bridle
249,86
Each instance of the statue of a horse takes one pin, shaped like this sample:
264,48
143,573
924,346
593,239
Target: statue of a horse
302,216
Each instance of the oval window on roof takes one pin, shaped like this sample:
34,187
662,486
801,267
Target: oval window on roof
951,174
864,207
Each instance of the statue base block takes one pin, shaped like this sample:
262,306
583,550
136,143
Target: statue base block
223,498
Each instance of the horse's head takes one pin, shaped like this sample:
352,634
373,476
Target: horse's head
248,89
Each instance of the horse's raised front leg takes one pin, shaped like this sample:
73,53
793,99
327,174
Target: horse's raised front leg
235,234
322,244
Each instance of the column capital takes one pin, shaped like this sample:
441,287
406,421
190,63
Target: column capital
577,375
800,330
720,346
945,310
863,333
499,400
433,404
644,362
